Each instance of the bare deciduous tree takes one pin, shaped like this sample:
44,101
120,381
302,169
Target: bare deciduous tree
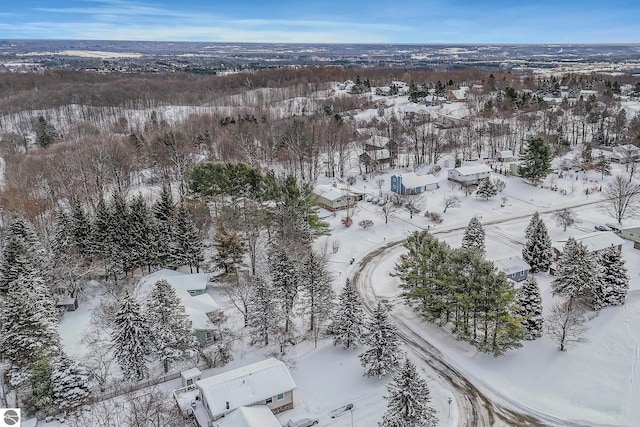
450,202
387,209
566,218
565,325
622,198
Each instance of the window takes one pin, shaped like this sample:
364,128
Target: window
280,396
269,400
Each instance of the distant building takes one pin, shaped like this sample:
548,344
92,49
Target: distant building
625,154
631,233
466,175
505,156
594,242
514,267
410,183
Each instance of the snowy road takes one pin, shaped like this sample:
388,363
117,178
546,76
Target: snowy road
477,404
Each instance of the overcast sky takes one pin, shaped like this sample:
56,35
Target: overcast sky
326,21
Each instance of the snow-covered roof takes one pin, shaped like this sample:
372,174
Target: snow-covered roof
329,192
246,385
594,241
250,416
411,180
506,153
190,373
472,170
460,93
511,265
196,306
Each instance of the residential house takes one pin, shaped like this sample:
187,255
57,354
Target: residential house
334,198
250,416
627,153
199,306
457,95
267,383
467,175
631,233
505,156
594,242
378,154
514,267
410,183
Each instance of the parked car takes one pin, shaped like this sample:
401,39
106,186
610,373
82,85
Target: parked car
303,422
602,228
614,227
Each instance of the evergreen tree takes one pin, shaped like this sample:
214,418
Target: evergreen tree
29,323
473,239
603,165
80,229
285,278
537,250
348,318
141,242
189,246
163,212
39,395
229,249
317,294
102,233
46,133
614,278
486,189
263,313
383,355
529,309
131,339
172,336
22,254
577,275
70,387
536,160
122,257
408,400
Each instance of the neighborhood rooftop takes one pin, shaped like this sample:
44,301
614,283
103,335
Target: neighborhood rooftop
410,179
250,416
246,385
595,241
474,169
513,264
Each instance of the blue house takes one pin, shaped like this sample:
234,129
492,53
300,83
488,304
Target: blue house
410,183
515,268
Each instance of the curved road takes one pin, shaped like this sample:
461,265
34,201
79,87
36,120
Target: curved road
476,408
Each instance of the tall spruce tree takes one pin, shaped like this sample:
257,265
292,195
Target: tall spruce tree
22,254
189,246
80,229
172,336
28,323
348,318
131,339
141,242
383,355
486,189
262,314
537,251
317,294
529,309
536,160
102,245
285,278
163,211
408,400
122,258
614,278
577,275
473,239
70,387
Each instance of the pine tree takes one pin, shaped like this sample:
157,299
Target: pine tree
383,355
317,294
171,334
348,318
614,278
102,245
473,239
537,250
163,212
263,313
80,229
29,322
408,400
22,254
285,278
229,249
529,309
141,242
70,387
189,246
486,189
577,275
130,335
536,160
122,258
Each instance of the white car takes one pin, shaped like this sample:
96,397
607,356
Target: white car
303,422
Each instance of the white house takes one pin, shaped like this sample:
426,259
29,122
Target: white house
263,383
410,183
334,198
469,174
514,267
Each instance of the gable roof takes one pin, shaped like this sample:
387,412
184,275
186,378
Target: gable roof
246,385
511,265
472,170
411,180
594,241
329,192
250,416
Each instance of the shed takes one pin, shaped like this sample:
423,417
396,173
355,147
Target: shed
66,302
410,183
190,376
505,155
